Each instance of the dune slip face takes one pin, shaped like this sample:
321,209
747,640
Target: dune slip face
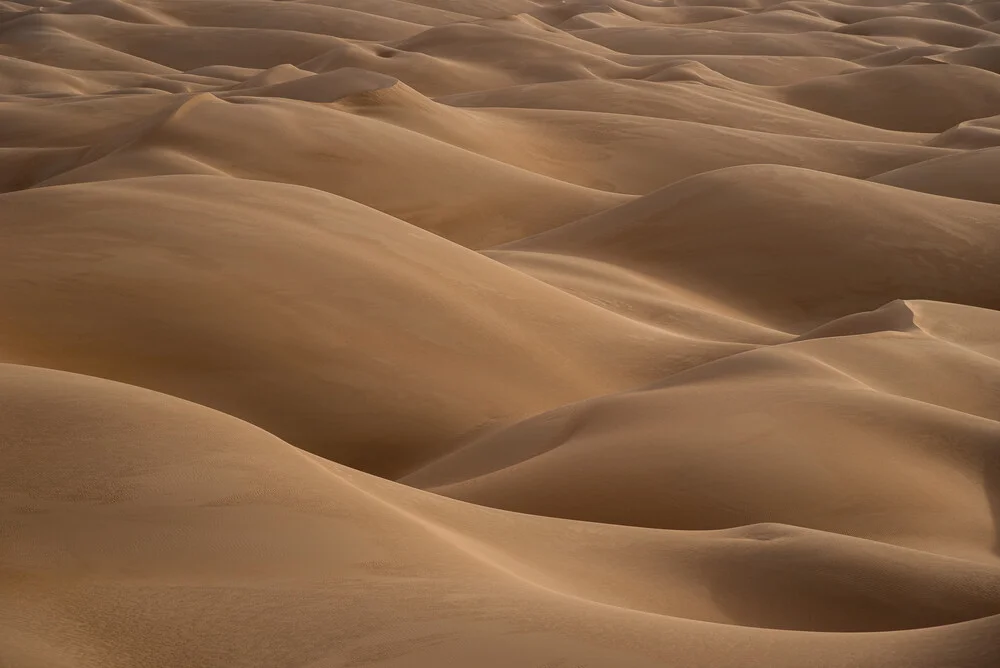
489,333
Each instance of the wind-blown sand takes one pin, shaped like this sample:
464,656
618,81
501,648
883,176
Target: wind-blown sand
413,333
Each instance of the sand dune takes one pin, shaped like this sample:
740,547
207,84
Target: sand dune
794,248
971,93
395,333
351,302
966,175
845,381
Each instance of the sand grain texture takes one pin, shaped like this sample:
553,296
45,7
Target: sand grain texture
389,333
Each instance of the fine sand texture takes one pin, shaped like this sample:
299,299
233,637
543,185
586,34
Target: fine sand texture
499,333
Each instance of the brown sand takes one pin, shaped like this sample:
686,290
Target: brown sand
557,333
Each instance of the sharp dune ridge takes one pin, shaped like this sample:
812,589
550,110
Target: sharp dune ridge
412,333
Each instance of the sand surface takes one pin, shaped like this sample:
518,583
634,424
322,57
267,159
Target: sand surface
493,333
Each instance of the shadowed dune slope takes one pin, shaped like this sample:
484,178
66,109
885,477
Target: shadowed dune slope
295,309
195,505
814,405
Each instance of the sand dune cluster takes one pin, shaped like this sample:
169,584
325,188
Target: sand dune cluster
549,333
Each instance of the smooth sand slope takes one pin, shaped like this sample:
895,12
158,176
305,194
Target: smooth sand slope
389,333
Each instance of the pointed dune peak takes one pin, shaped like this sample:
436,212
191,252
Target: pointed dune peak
693,71
272,76
600,17
327,87
897,316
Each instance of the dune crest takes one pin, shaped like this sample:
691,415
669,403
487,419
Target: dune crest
413,333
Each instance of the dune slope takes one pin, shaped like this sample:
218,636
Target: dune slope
413,333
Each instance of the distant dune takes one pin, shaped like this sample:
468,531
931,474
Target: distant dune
490,333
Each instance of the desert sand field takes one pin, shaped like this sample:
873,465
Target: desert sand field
499,333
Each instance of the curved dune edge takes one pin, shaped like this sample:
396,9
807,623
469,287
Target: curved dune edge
386,334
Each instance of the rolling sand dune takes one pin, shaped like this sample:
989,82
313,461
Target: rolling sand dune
967,175
411,333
